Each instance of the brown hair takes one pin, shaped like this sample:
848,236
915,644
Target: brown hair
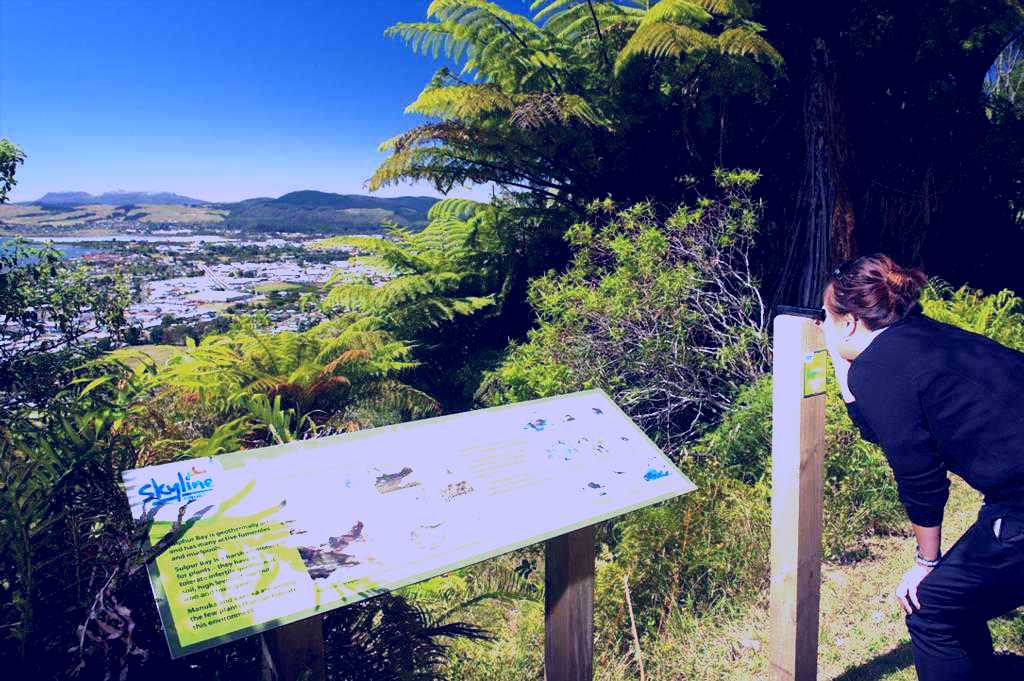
875,289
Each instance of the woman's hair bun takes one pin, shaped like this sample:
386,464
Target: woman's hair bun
905,281
896,278
874,288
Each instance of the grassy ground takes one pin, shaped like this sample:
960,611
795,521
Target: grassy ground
34,216
281,286
158,353
863,636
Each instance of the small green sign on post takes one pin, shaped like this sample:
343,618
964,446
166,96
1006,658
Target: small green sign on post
814,373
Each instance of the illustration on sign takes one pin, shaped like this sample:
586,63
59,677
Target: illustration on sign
282,533
815,369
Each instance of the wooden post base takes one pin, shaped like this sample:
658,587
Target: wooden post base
295,651
569,606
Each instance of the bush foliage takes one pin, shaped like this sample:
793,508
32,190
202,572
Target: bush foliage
664,315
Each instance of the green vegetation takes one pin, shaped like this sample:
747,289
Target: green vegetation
619,253
304,211
582,101
48,309
11,156
647,304
280,286
697,567
34,216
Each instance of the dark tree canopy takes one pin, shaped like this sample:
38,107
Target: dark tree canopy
888,141
879,136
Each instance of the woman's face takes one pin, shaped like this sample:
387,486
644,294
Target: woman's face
840,333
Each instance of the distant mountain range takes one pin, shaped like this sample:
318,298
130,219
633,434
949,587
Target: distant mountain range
300,211
322,211
313,210
117,197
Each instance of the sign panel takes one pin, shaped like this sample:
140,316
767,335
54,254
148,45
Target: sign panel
815,369
282,533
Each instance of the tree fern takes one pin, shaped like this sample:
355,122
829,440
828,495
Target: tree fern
450,269
548,104
286,381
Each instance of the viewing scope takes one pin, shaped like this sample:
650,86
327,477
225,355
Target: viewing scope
809,312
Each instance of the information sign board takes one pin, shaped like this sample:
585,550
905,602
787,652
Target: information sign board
282,533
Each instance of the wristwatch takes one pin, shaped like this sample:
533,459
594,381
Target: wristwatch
921,560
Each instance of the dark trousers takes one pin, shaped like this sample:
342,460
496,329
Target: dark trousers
980,577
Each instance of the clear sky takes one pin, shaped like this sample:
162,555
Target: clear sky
215,99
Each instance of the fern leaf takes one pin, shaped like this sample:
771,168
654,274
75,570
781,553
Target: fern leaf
664,40
742,41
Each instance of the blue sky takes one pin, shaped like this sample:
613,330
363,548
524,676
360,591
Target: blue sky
215,99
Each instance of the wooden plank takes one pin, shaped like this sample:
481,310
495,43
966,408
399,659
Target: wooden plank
295,651
569,606
798,446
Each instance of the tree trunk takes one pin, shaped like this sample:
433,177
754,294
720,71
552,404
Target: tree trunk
822,229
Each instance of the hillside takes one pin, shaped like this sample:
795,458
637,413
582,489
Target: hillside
325,212
300,211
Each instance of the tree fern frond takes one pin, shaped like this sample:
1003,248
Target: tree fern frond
498,582
534,111
743,41
432,38
500,46
727,8
351,356
682,12
461,101
456,209
664,40
350,296
390,395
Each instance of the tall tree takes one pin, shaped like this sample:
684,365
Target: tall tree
587,99
884,115
11,156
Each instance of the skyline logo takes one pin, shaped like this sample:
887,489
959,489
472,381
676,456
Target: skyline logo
185,488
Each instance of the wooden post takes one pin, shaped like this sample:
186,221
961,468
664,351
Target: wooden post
798,445
295,651
569,606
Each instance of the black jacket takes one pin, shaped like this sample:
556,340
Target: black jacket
938,398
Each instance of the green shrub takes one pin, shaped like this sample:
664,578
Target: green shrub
860,494
664,315
688,552
999,316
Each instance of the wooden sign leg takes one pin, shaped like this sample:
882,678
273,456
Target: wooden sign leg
569,606
798,445
295,651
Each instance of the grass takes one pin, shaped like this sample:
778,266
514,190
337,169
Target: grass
34,216
862,635
157,353
272,286
214,307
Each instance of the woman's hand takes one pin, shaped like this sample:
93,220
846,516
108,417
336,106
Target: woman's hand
906,591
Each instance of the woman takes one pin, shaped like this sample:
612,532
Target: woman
936,398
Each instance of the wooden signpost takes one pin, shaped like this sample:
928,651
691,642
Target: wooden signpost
295,651
569,606
798,446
